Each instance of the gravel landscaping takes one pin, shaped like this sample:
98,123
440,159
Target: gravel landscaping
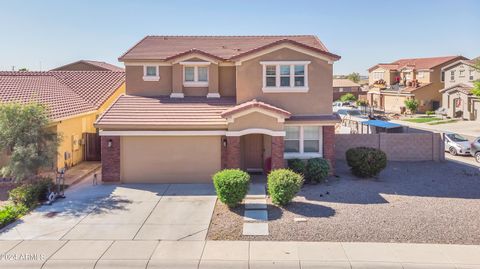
418,202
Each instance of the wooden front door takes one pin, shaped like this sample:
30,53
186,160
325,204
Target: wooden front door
92,146
253,149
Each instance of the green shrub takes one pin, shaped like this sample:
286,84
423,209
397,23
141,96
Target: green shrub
283,185
31,193
10,213
317,170
366,162
231,186
296,165
429,112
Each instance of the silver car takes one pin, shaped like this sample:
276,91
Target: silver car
456,144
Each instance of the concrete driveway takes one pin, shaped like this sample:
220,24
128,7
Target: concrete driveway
121,212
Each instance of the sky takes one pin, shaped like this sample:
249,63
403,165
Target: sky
41,35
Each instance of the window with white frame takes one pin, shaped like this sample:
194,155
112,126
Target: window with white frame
420,74
151,73
303,141
288,76
461,73
378,75
195,74
452,75
471,75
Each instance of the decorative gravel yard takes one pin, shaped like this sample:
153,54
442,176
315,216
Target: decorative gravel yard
419,202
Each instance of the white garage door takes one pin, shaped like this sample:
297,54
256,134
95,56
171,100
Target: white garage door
165,159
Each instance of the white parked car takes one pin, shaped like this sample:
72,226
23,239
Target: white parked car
456,144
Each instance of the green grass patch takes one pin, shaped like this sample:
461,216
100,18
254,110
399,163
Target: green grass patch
441,122
422,119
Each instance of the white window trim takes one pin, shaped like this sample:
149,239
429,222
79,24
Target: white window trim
278,88
151,78
377,75
420,74
195,82
460,74
302,154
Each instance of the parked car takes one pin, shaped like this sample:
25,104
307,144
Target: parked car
475,149
456,144
341,105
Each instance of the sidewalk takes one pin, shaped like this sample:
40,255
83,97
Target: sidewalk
234,254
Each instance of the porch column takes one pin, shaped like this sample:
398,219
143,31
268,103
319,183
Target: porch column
233,152
213,81
277,152
177,81
329,146
110,158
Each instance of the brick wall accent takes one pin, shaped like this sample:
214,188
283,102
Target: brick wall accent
277,152
110,159
233,152
398,147
329,146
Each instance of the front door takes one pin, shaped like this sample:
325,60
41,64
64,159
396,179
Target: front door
254,152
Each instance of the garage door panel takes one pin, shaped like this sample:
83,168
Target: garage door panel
170,159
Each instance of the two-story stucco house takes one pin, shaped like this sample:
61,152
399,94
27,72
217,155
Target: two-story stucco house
197,104
457,98
418,78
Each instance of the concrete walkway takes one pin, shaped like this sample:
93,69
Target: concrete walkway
232,254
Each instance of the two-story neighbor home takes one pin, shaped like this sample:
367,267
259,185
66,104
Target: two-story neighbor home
418,78
197,104
74,100
88,65
457,98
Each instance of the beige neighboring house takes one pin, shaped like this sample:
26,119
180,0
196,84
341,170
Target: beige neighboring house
342,86
197,104
457,98
89,65
417,78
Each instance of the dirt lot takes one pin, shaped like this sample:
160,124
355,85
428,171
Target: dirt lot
421,202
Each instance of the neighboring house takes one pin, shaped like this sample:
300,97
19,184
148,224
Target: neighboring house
197,104
342,86
88,65
419,78
74,99
457,98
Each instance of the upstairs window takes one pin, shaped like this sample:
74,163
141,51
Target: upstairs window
378,75
288,76
461,73
452,75
442,77
151,73
420,74
471,75
195,74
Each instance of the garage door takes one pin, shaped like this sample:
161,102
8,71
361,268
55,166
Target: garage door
170,159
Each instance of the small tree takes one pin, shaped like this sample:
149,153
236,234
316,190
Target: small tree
348,97
355,77
26,139
23,69
411,105
476,88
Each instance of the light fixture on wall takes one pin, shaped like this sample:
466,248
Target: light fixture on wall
224,142
109,143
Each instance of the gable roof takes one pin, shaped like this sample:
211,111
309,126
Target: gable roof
417,63
65,93
255,104
96,65
461,87
344,82
220,47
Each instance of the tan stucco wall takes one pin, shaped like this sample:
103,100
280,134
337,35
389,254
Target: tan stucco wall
227,80
318,100
137,86
255,120
457,78
388,76
170,159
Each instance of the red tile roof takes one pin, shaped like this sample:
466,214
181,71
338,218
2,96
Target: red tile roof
255,104
417,63
65,93
149,112
221,47
102,66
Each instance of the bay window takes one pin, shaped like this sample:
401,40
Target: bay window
303,141
288,76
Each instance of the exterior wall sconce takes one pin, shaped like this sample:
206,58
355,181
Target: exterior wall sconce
224,141
109,143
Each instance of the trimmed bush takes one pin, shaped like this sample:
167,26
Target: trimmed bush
429,112
317,170
10,213
283,185
366,162
231,186
296,165
31,193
